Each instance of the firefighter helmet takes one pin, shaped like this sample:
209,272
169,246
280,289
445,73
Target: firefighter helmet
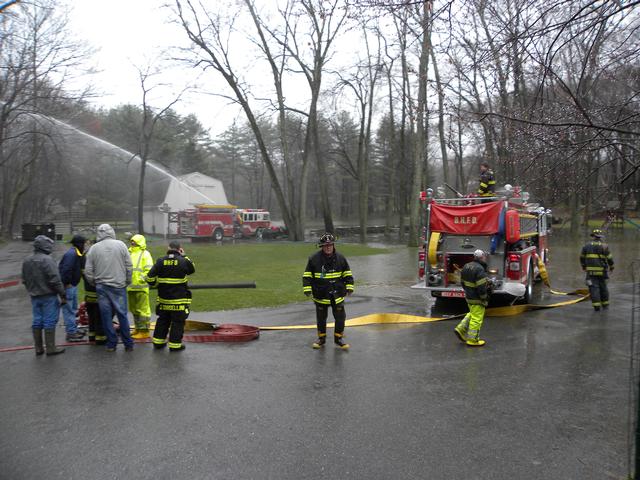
597,233
326,239
479,254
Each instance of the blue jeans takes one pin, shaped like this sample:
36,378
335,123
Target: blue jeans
46,309
113,300
69,310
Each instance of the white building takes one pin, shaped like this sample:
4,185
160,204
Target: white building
182,193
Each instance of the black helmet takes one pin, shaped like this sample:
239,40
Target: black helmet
597,233
326,239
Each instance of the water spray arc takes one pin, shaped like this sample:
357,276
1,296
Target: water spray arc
127,153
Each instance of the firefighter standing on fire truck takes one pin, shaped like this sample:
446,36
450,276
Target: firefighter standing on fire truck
476,290
597,261
487,185
138,289
169,273
328,279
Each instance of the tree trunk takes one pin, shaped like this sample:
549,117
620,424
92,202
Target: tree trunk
441,135
419,157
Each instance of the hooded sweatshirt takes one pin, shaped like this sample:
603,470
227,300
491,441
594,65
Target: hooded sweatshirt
39,271
108,261
142,263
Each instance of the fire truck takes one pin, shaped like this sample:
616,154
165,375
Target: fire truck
513,232
220,221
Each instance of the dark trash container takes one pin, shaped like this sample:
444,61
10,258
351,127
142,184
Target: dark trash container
31,230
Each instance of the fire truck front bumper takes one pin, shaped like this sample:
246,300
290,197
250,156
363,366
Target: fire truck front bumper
512,289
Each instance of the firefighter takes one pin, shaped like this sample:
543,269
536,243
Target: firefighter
597,261
327,280
138,290
169,274
476,290
97,334
487,185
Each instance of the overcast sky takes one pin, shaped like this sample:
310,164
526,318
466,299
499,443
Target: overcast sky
127,34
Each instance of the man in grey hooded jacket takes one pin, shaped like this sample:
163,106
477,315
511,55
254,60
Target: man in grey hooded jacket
42,280
109,268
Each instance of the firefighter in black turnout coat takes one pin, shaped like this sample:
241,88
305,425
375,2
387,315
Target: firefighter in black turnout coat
328,280
596,261
169,274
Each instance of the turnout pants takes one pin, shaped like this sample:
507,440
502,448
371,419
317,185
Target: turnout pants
472,321
96,330
339,315
598,290
170,321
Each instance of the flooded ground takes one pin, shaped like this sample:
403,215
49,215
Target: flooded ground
547,398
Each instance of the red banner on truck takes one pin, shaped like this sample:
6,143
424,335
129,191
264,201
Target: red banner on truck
481,219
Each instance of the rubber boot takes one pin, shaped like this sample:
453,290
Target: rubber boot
37,340
140,334
337,339
142,328
136,322
319,343
461,329
475,342
50,341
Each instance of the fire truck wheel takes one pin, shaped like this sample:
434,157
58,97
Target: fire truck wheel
218,234
528,293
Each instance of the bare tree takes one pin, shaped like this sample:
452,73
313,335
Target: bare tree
362,82
325,21
207,32
150,118
419,141
37,54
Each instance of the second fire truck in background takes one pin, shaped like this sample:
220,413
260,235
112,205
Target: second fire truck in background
220,221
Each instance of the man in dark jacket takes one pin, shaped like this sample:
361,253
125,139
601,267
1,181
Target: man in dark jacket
169,274
597,261
328,279
42,280
70,267
475,284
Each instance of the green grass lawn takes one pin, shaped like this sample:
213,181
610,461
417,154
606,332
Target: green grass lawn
275,267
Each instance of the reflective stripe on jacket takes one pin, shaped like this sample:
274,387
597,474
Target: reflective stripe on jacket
596,259
327,277
169,273
142,263
487,185
474,281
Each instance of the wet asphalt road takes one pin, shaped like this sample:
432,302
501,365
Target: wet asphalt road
547,398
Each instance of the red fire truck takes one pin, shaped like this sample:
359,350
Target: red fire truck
514,234
219,221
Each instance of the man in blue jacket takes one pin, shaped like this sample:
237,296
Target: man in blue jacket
70,268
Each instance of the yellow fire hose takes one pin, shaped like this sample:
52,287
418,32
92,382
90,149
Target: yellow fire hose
399,318
506,311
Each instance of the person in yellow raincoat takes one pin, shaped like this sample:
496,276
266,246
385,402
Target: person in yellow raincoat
138,291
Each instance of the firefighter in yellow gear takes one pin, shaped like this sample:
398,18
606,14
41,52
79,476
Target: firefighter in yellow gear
138,290
476,290
170,273
596,261
487,185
